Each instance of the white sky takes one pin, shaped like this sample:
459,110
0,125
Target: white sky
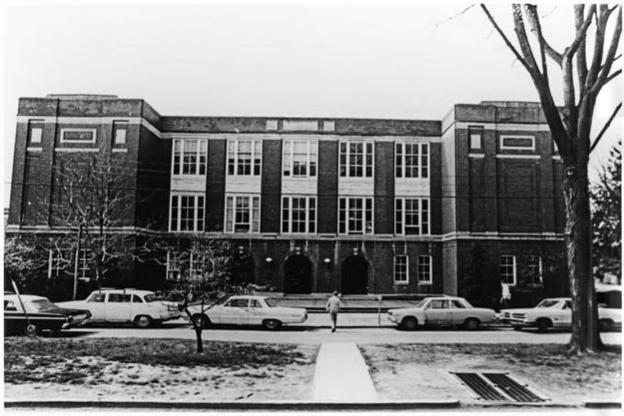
386,59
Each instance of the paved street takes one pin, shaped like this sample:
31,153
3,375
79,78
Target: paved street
317,331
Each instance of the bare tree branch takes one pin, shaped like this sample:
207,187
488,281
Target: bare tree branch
581,32
610,57
581,58
523,40
605,127
536,27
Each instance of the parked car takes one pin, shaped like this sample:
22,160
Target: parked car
42,315
556,313
441,311
248,310
141,307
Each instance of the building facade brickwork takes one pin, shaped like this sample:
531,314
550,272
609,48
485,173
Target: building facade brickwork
314,204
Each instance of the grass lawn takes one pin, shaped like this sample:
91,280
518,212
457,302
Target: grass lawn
155,370
421,371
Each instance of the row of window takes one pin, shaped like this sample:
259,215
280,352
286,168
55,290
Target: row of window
298,214
299,158
424,269
509,270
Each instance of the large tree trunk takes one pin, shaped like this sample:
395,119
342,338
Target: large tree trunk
585,335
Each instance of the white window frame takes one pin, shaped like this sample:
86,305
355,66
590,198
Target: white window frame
236,144
308,205
420,270
311,156
394,270
201,150
171,256
511,136
364,217
38,126
118,126
365,155
251,198
402,215
55,259
514,271
197,207
196,273
475,132
93,137
419,158
83,264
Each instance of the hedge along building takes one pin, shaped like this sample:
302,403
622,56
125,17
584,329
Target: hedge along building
312,205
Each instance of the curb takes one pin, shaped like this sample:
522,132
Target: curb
283,406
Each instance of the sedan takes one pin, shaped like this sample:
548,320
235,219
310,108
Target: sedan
32,314
441,311
556,313
247,310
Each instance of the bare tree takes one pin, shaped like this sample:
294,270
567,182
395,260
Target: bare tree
570,129
93,199
23,259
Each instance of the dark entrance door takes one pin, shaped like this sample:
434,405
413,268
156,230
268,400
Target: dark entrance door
297,274
354,275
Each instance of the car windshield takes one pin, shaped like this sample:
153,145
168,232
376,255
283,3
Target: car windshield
547,303
419,304
41,305
271,303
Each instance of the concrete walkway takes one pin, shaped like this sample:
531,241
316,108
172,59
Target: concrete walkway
341,375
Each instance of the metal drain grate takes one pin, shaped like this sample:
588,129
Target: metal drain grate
498,387
483,389
512,388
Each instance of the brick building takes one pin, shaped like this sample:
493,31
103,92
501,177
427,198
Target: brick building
314,204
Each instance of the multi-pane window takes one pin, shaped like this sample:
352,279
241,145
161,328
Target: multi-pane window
508,269
173,266
189,156
242,214
412,160
298,214
300,158
187,212
411,216
401,269
196,265
58,263
244,157
535,269
83,264
424,269
355,215
78,135
35,131
120,130
517,142
356,159
475,137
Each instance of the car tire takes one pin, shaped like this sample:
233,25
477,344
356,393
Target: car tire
472,324
201,320
605,325
543,324
31,330
271,324
142,321
409,323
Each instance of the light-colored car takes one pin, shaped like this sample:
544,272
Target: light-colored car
40,314
441,311
248,310
141,307
556,313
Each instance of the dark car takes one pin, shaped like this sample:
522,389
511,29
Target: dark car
42,314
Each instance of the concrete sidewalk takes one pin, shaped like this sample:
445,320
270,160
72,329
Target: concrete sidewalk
341,375
352,320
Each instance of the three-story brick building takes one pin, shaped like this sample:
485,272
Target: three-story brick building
313,204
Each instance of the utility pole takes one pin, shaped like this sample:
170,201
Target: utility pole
77,262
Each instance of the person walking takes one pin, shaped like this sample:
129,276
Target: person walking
333,306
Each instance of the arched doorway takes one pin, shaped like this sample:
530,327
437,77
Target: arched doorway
354,275
297,274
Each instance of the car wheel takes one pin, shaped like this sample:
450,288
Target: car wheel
142,321
30,330
605,325
271,324
517,328
471,324
201,321
409,323
543,324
